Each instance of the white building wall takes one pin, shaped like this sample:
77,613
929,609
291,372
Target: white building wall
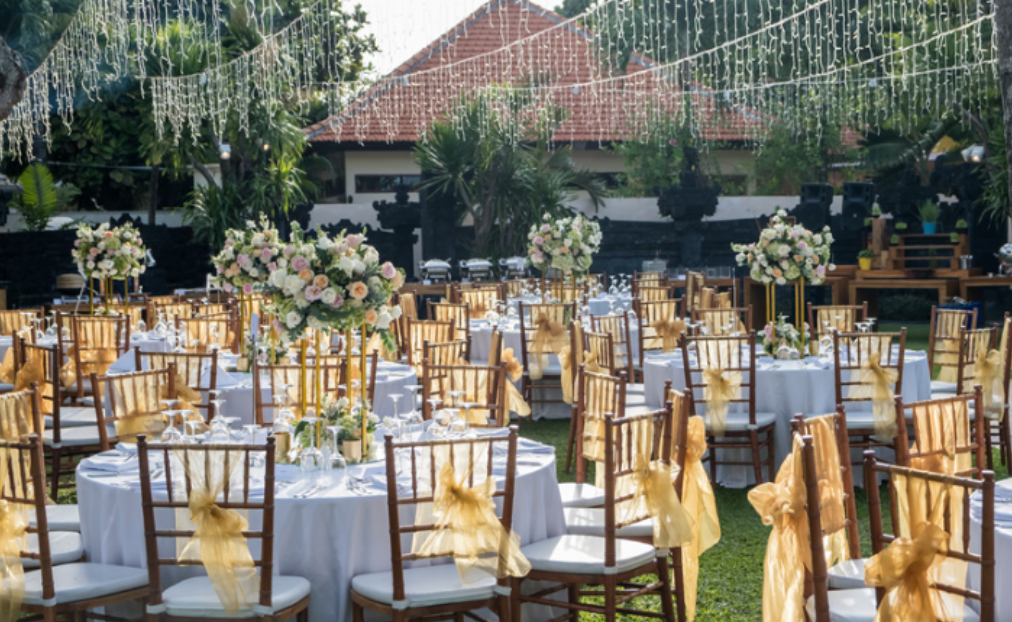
377,163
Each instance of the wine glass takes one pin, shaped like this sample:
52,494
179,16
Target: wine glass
434,403
190,427
170,434
311,458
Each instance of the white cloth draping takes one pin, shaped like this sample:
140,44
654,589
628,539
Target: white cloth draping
783,388
1002,547
327,538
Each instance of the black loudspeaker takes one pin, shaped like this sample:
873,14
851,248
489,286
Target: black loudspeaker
813,210
858,198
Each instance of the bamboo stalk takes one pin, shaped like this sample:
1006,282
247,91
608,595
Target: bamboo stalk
241,332
91,296
303,378
126,298
361,389
319,387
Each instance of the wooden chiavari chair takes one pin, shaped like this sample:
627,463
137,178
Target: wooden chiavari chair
655,293
571,562
823,319
96,343
209,332
729,361
1004,433
514,288
169,311
11,363
132,404
723,321
198,372
215,476
695,282
647,279
420,331
601,347
617,326
596,395
568,292
974,345
205,309
927,522
944,344
459,314
447,353
14,320
416,592
483,387
947,440
56,584
479,299
656,319
855,384
543,335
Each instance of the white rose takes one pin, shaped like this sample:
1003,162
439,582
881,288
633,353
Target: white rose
358,266
346,264
278,277
254,272
784,250
328,296
293,319
314,323
282,262
395,312
300,300
293,284
383,321
90,265
258,240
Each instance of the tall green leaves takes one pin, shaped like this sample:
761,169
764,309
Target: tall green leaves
502,174
40,198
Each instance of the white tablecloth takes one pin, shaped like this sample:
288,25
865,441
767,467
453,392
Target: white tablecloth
1002,547
599,305
328,538
785,389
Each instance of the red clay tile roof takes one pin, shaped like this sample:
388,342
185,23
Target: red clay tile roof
563,61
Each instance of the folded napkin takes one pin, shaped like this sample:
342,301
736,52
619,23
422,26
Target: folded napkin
111,462
127,448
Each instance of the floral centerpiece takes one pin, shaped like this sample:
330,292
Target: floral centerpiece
779,334
109,253
347,417
786,253
331,284
248,257
566,244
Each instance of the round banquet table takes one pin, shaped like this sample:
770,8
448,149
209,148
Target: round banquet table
784,388
602,304
327,538
1002,546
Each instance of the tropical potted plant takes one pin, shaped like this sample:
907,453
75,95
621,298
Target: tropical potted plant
864,259
929,217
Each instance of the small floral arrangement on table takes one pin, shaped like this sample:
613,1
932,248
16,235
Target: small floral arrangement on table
343,414
566,244
782,333
264,351
106,252
786,253
248,257
331,284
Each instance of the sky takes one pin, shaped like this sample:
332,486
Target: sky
403,27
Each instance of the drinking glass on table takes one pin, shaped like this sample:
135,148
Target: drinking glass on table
170,434
311,458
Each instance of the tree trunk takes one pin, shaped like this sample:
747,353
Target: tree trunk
12,79
1003,32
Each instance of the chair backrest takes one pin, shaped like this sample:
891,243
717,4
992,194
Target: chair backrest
654,293
601,347
946,440
943,340
941,500
823,319
834,471
41,364
447,353
530,313
694,284
288,380
617,326
852,351
190,370
596,396
975,344
203,332
628,440
20,415
204,309
732,355
420,331
97,343
472,463
479,299
495,350
723,321
567,292
649,277
13,320
221,472
459,314
513,288
168,311
710,298
649,311
483,386
130,404
1005,350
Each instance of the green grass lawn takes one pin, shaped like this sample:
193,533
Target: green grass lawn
731,573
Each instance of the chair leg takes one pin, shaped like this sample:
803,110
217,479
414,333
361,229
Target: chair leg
610,599
667,606
574,597
1006,441
753,436
515,605
678,583
571,443
54,485
357,613
988,440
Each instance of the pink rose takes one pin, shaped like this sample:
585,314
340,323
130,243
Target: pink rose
313,293
242,260
266,254
358,290
108,234
140,242
227,287
247,288
272,266
219,269
77,243
538,256
538,240
278,326
371,316
288,250
337,301
545,228
299,263
821,271
388,271
353,240
93,252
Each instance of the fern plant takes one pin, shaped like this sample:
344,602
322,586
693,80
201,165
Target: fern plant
38,199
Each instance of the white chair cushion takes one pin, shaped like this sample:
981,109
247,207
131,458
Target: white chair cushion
738,421
63,517
847,575
425,587
580,554
75,437
73,417
64,547
6,388
581,495
196,598
84,580
590,522
860,606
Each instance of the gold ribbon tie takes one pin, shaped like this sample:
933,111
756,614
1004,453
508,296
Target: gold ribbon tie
12,574
876,382
652,490
699,501
987,373
549,338
668,333
515,371
902,569
721,387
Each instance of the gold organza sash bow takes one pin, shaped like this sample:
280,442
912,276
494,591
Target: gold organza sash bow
7,372
218,541
33,371
699,502
94,360
831,496
467,526
903,570
947,346
987,373
875,383
667,334
782,504
550,337
721,388
653,494
590,363
566,363
13,524
514,371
